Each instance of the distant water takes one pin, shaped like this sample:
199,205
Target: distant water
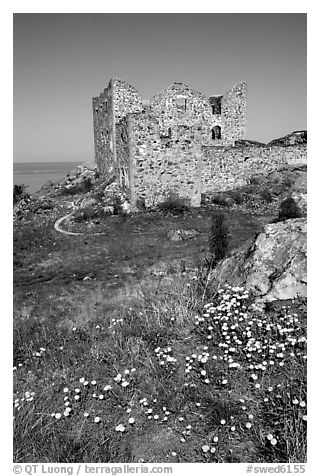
36,174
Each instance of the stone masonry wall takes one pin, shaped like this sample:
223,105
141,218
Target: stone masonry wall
103,130
126,99
122,147
180,105
225,168
173,146
109,108
234,113
161,166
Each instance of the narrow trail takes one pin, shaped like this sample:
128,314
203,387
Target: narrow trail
58,228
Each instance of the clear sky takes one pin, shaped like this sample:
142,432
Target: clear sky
60,61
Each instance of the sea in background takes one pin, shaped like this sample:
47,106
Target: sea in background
36,174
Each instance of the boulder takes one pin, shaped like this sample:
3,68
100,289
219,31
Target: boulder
179,235
88,202
109,210
273,265
174,235
126,207
301,200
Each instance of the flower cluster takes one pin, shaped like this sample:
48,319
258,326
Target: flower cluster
196,363
165,356
248,340
40,352
154,411
28,397
124,380
115,323
234,351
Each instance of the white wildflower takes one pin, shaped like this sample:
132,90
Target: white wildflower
120,428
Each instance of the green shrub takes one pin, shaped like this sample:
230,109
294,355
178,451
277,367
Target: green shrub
236,196
219,200
287,182
174,204
254,180
117,205
141,204
84,214
218,239
19,193
266,196
288,209
83,187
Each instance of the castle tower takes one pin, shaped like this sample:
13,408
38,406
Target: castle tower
109,108
234,113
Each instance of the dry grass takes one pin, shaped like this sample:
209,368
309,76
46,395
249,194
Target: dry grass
137,366
124,313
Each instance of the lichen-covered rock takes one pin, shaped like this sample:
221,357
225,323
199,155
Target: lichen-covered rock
301,200
273,266
179,235
88,202
82,177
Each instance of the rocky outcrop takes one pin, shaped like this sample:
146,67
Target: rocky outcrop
294,138
88,202
273,266
180,235
301,201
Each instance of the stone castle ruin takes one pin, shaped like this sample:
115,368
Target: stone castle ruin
180,142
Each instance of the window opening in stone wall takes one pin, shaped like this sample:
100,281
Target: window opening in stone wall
181,103
216,132
167,134
215,104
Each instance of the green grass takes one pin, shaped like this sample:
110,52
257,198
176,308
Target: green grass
164,337
42,255
93,308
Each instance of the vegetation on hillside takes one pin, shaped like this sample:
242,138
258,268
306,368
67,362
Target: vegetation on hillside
171,379
19,193
123,353
288,209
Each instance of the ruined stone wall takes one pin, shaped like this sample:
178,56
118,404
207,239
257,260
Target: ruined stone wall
180,105
109,108
234,113
126,99
225,168
173,146
160,165
122,146
103,130
213,121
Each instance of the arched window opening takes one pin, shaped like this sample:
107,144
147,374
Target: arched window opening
216,133
181,103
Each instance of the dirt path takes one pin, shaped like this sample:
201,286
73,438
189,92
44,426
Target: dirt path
58,228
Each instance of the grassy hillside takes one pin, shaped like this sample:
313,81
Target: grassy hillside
121,329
